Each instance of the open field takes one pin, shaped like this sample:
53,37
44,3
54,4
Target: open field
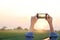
20,35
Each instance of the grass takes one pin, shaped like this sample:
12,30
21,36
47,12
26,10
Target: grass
20,35
12,35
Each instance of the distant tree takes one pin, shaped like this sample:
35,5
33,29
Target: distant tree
4,28
19,28
26,29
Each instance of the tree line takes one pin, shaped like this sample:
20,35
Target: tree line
18,28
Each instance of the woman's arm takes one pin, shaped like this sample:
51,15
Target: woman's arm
49,20
30,34
33,21
53,35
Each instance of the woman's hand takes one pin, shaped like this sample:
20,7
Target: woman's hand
33,20
49,19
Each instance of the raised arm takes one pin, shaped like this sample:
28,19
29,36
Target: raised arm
30,34
33,21
49,20
53,35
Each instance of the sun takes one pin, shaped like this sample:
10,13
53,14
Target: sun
41,24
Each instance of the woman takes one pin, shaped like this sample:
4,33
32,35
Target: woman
53,35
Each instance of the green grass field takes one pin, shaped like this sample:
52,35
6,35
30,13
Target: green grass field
20,35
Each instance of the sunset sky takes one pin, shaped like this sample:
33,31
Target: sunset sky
15,13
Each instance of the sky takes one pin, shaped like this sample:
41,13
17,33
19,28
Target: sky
15,13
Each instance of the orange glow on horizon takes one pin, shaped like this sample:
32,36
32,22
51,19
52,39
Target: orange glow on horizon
40,31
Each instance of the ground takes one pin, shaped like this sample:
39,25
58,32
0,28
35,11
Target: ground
20,35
